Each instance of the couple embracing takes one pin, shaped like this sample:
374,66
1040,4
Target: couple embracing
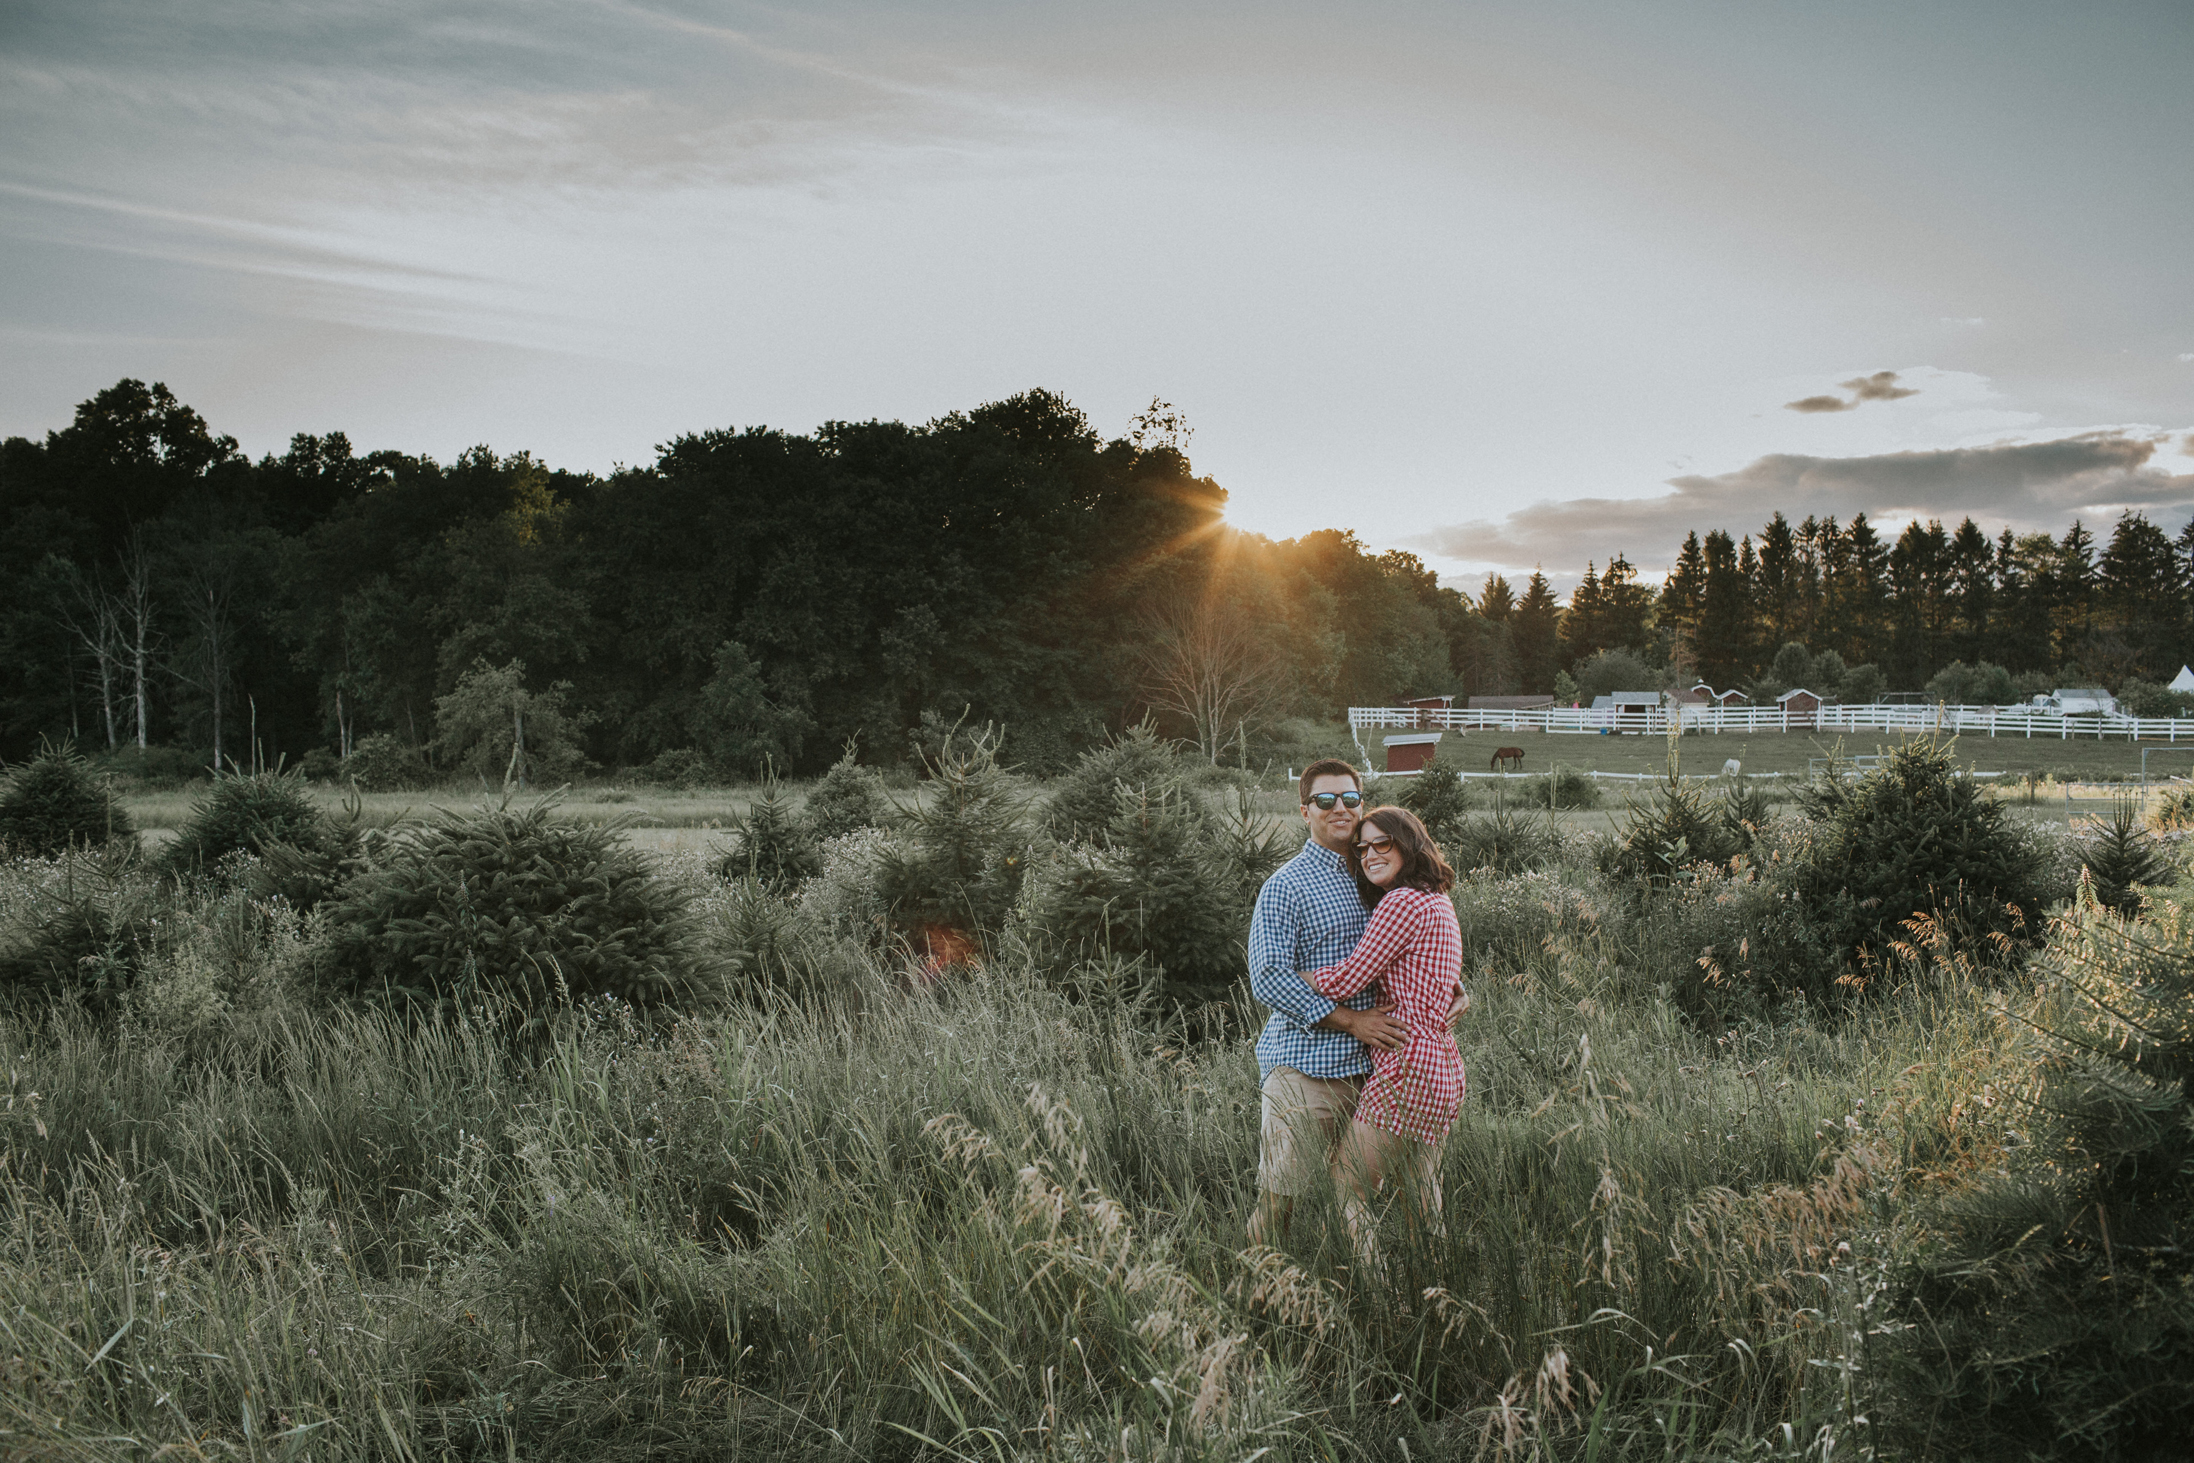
1355,948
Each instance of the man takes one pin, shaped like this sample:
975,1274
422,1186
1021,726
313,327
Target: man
1311,1057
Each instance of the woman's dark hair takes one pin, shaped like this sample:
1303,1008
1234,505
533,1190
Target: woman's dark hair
1423,867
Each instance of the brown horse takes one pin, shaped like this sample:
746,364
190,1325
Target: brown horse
1511,755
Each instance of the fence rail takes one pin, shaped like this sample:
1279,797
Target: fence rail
1992,721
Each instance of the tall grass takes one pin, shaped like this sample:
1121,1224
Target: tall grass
986,1219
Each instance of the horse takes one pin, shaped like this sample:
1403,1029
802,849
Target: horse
1509,754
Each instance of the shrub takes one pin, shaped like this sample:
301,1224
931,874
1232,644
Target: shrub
2121,857
955,868
1615,670
735,722
2174,809
498,730
83,927
246,815
2053,1298
1912,838
1669,832
684,768
54,803
385,763
843,899
770,845
308,873
1168,887
511,909
2147,698
1981,684
155,766
1563,787
1505,841
846,798
1083,805
320,765
1439,797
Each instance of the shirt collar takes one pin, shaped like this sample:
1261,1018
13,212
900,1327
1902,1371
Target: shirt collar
1315,850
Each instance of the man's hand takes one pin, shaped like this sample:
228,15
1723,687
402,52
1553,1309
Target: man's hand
1374,1028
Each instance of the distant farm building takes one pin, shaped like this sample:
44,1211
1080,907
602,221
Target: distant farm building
2184,680
1712,697
1510,703
1411,751
2079,701
1800,705
1429,707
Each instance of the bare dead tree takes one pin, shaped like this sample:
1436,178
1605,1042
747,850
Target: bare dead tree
134,614
210,590
1217,666
91,615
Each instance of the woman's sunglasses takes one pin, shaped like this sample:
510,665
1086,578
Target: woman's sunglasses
1326,800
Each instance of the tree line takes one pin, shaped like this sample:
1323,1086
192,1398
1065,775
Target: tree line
757,597
1955,612
752,597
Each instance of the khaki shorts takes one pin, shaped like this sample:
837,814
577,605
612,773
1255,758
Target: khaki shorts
1303,1118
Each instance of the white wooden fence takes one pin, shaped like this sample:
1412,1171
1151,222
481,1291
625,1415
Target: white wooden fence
1992,721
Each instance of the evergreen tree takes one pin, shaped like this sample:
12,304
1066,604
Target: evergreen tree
1778,583
1972,590
1584,628
2026,581
1538,635
2140,589
2075,595
1683,592
1627,606
1722,640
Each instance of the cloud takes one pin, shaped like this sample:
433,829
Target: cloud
1881,386
2024,485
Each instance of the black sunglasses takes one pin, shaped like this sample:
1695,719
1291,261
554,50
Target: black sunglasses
1326,800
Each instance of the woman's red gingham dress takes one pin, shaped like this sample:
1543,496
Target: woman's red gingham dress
1414,948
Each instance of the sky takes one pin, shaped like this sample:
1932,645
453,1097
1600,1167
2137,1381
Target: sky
1506,285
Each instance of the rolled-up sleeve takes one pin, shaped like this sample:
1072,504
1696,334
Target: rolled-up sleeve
1273,978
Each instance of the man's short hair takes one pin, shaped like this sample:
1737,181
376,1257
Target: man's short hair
1327,767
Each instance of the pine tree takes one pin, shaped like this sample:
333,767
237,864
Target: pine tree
2052,1302
1683,590
1628,606
1584,628
1538,635
1777,583
1722,640
2140,591
1972,589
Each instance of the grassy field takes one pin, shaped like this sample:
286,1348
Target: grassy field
846,1205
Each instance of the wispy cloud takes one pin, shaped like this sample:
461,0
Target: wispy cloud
2022,484
1881,386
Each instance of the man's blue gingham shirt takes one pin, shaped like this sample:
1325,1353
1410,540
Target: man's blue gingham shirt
1309,915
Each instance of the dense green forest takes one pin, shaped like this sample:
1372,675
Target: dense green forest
762,596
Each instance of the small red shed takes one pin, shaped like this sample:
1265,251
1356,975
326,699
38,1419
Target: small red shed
1426,706
1412,751
1800,705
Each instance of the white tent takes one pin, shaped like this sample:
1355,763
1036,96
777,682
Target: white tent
2184,681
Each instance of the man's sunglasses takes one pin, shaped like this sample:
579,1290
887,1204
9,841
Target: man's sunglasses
1326,800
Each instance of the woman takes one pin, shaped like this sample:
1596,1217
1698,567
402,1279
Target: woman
1415,950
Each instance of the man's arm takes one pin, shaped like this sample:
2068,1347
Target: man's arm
1273,978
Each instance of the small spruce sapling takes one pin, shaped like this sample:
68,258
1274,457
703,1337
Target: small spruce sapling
55,802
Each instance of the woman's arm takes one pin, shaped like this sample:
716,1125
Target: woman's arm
1392,928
